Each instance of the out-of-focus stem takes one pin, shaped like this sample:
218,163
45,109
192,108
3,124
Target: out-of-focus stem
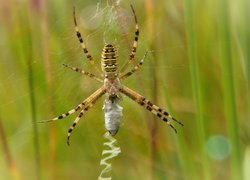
28,48
6,152
153,125
33,117
229,89
45,47
196,83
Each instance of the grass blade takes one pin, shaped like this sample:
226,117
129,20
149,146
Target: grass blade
196,83
9,159
229,89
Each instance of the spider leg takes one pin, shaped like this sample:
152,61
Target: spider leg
77,120
85,50
84,73
136,67
93,97
133,50
163,115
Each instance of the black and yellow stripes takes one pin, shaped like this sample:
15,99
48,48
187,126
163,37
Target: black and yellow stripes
92,98
163,115
101,92
85,50
77,120
84,73
136,67
133,50
109,60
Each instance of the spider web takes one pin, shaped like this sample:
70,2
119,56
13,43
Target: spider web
99,24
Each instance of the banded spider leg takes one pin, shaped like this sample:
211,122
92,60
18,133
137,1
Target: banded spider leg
84,73
163,115
88,103
84,48
135,68
133,50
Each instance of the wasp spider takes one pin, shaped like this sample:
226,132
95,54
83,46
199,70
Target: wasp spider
112,84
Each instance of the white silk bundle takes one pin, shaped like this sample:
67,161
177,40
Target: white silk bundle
113,116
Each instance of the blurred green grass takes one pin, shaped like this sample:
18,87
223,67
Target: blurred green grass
198,70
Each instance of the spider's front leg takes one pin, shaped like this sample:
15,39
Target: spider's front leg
133,50
163,115
84,48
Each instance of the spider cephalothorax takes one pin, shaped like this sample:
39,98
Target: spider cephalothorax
112,86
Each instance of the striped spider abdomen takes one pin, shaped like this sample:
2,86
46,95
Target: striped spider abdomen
109,61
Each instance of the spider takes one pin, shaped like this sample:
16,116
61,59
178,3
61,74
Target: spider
112,86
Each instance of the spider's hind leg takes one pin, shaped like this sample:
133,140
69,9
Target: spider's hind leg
92,98
76,121
163,115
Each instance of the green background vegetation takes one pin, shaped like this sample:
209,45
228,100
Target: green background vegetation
197,69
